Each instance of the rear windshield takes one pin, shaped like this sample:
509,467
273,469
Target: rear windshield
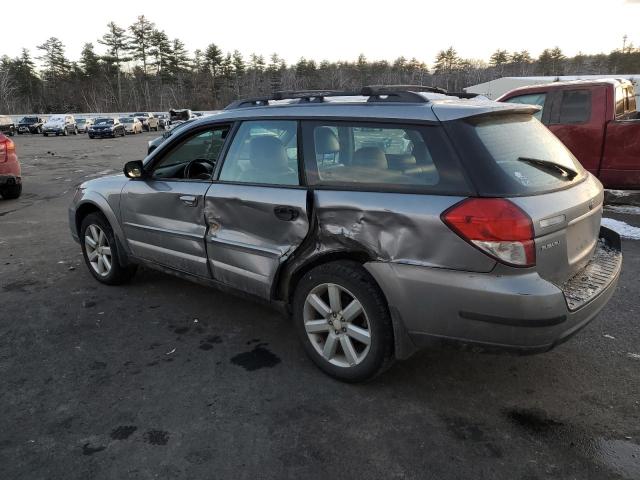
517,155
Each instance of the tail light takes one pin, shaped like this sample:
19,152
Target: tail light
6,147
495,226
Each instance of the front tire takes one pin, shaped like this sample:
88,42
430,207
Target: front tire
343,321
100,251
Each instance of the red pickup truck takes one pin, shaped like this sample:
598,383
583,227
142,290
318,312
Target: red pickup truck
597,121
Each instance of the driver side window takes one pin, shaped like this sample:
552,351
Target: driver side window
194,158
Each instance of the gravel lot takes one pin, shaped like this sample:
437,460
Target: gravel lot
167,379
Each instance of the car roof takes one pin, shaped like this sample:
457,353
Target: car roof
436,107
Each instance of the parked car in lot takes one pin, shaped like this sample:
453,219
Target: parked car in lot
60,125
83,124
107,127
149,122
131,125
596,120
163,120
30,124
7,126
382,224
10,174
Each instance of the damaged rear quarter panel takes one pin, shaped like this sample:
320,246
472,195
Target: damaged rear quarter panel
395,227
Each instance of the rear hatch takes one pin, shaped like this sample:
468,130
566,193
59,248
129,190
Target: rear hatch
513,156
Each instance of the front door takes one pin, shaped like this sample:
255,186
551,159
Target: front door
163,212
257,211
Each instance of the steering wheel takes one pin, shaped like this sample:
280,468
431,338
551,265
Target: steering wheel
204,174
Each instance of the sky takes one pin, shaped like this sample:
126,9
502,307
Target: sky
341,30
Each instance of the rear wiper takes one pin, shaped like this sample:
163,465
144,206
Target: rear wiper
551,167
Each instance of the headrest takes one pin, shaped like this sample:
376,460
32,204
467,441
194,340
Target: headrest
268,153
326,141
370,157
402,162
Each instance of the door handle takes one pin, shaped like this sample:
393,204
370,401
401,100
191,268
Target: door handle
190,200
286,213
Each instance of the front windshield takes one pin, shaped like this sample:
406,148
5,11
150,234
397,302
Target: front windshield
104,121
81,121
126,120
29,120
56,119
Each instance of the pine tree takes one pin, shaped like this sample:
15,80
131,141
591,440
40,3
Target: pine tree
89,61
54,60
140,42
117,43
178,58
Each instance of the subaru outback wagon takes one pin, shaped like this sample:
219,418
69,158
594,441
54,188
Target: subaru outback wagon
382,221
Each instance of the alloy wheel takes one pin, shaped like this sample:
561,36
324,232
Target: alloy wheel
337,325
98,250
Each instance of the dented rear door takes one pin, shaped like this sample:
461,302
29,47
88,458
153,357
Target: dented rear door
252,230
256,211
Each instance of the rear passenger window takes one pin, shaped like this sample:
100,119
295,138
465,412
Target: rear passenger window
575,106
531,99
264,152
382,156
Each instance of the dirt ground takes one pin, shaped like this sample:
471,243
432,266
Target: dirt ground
162,378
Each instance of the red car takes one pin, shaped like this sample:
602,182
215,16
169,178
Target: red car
597,121
10,179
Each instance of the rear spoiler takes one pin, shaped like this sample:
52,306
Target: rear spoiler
446,111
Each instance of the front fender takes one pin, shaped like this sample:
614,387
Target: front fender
97,200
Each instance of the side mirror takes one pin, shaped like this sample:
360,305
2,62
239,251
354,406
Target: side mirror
166,134
133,169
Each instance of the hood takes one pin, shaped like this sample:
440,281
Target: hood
108,182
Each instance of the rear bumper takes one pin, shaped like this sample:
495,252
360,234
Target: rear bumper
9,180
521,312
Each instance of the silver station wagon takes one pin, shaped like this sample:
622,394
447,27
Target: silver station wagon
382,221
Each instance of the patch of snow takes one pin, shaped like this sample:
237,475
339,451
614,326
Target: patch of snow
628,209
621,228
619,193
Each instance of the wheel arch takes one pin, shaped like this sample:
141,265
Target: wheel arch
97,204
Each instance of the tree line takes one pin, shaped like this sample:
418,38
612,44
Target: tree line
143,69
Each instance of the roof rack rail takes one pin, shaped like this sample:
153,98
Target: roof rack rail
310,95
370,89
376,94
248,102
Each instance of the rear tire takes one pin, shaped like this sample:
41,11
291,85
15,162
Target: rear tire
12,192
95,228
46,134
355,344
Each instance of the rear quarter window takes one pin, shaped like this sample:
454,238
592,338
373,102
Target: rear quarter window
498,152
575,107
376,156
